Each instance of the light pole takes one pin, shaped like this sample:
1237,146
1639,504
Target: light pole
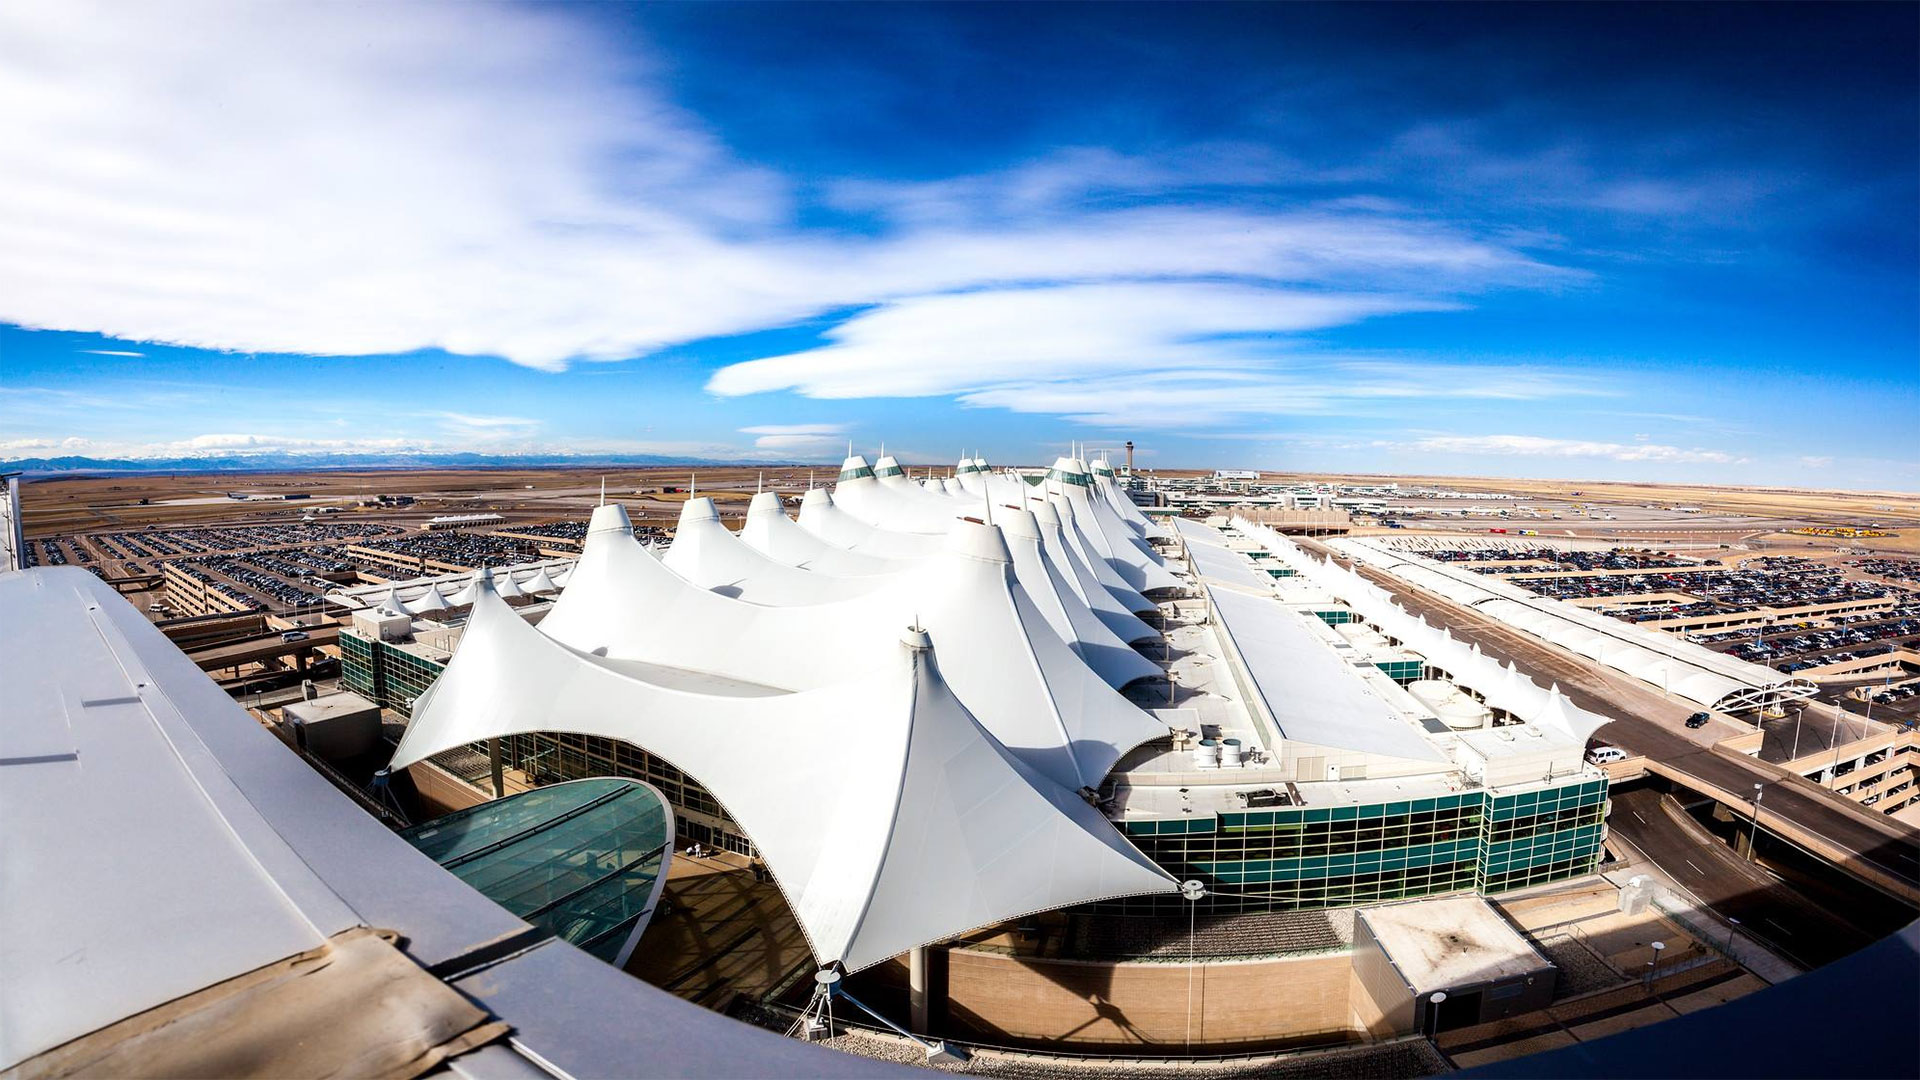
1753,838
1194,892
1433,1014
1653,972
1733,927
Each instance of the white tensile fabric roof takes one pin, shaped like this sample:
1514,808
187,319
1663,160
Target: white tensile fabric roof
1103,571
1103,479
707,555
892,517
887,815
772,533
1680,667
1011,669
821,516
1309,691
1213,560
1092,508
1111,538
1076,623
900,506
1118,616
1502,685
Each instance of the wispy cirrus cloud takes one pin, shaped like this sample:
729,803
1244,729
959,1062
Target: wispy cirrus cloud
497,180
483,430
810,440
1539,446
1155,355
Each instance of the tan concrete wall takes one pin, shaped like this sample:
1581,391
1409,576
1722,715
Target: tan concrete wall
441,792
993,997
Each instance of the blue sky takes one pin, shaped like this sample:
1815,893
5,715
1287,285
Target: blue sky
1664,242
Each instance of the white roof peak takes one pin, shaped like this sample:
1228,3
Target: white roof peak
610,517
978,540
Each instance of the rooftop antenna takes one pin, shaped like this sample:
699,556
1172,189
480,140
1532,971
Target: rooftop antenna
693,485
760,485
603,491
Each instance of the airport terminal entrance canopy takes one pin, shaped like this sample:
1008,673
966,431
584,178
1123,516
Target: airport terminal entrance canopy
887,815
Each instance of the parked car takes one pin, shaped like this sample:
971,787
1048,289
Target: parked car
1698,720
294,635
1604,755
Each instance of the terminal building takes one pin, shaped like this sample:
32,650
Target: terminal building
932,712
1309,757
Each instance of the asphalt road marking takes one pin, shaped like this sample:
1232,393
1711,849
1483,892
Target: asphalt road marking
1689,862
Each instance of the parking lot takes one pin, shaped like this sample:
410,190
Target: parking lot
1640,585
288,566
1559,559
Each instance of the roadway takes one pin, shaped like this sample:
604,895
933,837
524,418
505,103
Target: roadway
1649,723
233,654
1788,922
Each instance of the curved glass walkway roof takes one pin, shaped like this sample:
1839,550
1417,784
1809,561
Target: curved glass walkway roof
585,859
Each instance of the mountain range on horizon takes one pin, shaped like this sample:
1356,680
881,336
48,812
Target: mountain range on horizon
282,462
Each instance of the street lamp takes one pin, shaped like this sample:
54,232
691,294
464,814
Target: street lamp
1753,838
1733,927
1653,972
1433,1013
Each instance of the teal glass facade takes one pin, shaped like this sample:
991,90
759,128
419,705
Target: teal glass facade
582,859
380,672
1402,671
1254,860
1312,857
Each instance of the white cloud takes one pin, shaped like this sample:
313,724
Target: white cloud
978,341
220,444
1537,446
486,431
494,180
246,444
1136,354
811,440
113,352
1816,461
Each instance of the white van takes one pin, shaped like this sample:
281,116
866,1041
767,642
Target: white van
1606,755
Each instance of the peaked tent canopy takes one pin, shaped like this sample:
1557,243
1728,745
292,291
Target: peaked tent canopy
927,828
772,533
706,554
1010,668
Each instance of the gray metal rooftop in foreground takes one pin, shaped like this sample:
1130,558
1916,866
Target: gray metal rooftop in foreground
1312,694
1221,566
160,842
